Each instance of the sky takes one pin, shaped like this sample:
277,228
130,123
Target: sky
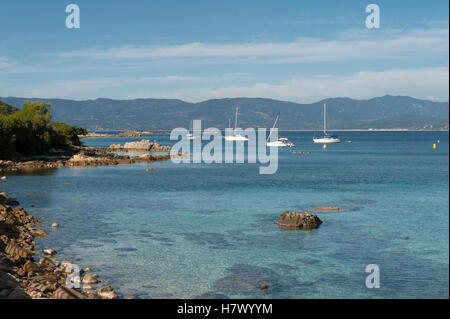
301,51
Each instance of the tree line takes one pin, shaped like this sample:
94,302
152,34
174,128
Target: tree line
30,131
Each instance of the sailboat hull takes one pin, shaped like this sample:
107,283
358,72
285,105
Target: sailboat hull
236,138
326,140
280,144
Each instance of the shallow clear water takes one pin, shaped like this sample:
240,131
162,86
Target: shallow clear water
197,230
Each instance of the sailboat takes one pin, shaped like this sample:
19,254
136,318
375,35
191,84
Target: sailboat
327,138
281,141
236,137
190,135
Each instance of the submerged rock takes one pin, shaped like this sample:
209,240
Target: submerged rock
40,233
328,208
298,220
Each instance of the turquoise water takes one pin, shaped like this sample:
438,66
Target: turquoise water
197,230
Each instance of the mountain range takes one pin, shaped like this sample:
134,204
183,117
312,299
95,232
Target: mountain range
402,112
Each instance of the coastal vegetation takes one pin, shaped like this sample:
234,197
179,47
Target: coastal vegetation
30,130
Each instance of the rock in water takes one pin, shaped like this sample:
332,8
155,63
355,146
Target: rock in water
107,293
3,178
49,252
90,279
40,233
55,225
298,220
142,145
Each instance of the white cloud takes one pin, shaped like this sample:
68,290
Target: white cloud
92,86
419,83
352,45
360,45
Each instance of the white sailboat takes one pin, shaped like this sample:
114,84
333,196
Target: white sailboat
327,138
190,135
236,137
281,141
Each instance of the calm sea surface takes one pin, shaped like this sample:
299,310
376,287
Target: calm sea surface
197,230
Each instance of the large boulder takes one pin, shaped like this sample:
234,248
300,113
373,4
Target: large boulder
144,145
298,220
115,146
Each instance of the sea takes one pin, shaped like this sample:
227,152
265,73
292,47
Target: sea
208,230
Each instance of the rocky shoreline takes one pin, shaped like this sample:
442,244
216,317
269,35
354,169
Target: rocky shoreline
79,157
124,134
22,277
143,145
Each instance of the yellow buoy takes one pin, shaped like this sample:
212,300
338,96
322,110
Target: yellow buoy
434,146
324,146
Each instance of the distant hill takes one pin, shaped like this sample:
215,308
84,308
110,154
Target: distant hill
342,113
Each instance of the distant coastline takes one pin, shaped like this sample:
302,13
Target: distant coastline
98,134
148,114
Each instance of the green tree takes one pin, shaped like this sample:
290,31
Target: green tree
29,131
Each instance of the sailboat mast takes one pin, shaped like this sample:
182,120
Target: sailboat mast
274,124
324,118
235,117
278,124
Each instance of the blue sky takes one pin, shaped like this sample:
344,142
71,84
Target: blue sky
300,51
